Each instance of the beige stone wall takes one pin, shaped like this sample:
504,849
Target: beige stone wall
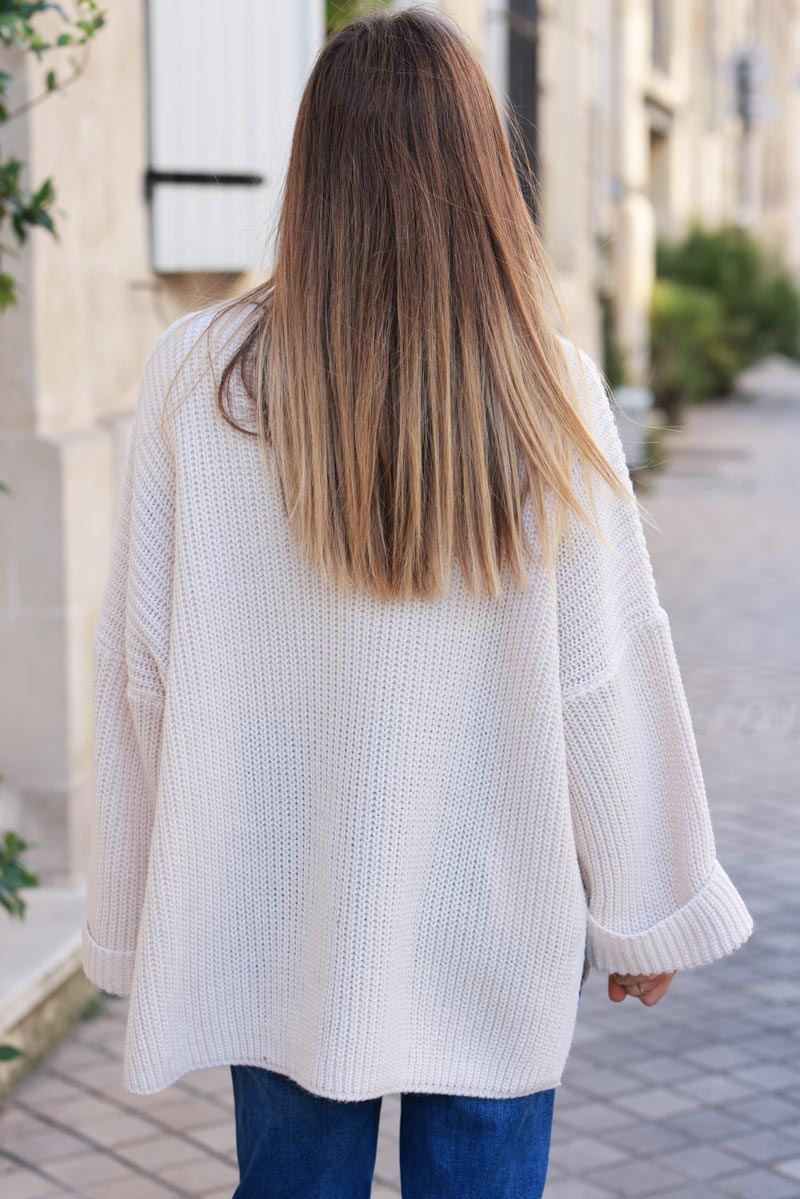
471,16
777,28
566,154
71,356
632,152
715,156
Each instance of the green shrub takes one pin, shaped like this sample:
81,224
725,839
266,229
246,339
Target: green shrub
614,364
777,317
721,302
693,354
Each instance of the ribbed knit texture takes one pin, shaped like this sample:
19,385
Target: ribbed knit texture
367,844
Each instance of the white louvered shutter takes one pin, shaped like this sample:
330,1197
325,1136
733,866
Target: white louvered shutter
226,78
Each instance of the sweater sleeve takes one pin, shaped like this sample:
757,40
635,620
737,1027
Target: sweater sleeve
129,668
658,898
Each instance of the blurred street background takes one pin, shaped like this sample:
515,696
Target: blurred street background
142,157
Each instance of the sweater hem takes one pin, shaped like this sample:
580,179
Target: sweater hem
713,924
109,969
411,1087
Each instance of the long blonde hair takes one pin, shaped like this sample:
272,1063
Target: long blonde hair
404,370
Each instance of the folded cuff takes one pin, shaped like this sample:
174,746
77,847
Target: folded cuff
109,969
711,925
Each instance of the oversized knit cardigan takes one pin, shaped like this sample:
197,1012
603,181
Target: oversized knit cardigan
371,845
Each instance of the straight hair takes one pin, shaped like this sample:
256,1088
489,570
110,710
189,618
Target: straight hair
407,377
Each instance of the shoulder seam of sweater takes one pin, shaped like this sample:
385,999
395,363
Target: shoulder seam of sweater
659,617
132,691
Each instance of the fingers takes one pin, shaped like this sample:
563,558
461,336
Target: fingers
653,987
659,990
616,991
629,984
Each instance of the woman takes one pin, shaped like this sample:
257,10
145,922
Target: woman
390,737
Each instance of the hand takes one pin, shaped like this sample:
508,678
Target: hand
649,988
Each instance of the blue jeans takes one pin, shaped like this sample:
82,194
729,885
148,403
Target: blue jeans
292,1144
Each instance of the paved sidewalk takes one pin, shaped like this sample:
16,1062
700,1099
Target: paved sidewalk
695,1099
699,1097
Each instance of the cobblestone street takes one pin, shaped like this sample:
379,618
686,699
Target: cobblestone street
697,1098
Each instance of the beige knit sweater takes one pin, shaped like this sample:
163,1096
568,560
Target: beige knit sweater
366,844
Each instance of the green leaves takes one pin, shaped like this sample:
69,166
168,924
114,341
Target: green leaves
25,210
17,24
22,208
14,875
5,82
30,211
45,195
8,296
340,12
9,178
